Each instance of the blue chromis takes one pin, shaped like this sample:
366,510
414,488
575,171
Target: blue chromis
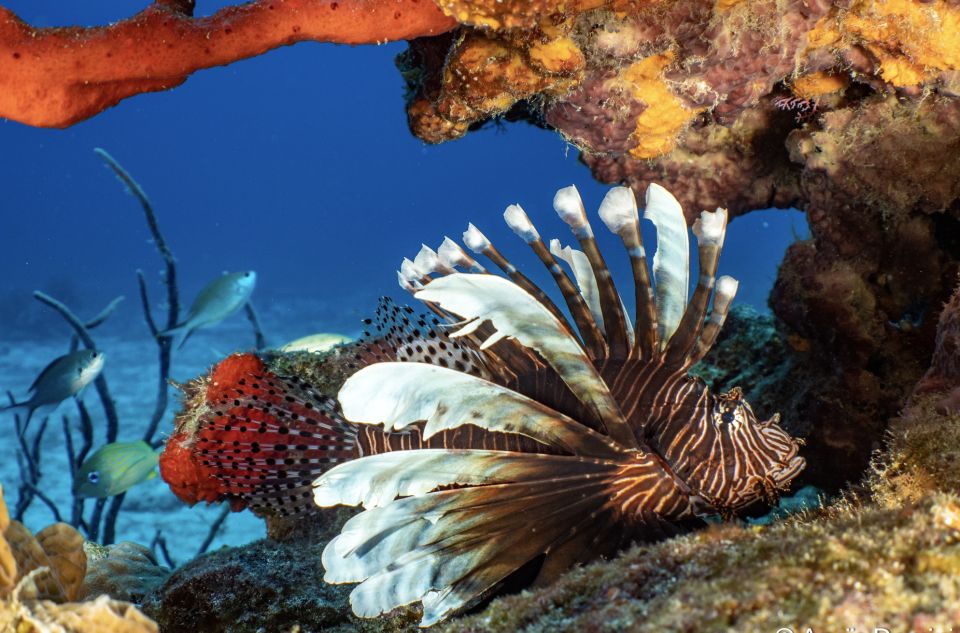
65,376
218,300
116,468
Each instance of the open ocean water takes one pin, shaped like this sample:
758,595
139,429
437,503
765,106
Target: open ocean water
297,164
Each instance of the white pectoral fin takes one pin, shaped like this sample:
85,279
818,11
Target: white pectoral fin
377,480
447,548
399,394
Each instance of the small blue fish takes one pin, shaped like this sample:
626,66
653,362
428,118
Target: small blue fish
218,300
116,468
64,377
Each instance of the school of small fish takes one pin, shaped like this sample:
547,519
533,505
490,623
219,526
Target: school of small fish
116,467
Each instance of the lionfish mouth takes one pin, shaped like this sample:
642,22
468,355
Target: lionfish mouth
789,462
556,435
784,474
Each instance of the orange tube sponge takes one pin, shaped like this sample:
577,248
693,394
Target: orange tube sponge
55,77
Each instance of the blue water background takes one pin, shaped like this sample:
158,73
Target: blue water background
297,164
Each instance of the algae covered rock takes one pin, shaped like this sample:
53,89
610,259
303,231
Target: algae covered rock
263,586
847,567
125,571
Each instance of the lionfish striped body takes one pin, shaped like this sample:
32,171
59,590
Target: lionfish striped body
553,438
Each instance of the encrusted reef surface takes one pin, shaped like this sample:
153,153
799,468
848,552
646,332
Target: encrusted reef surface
848,110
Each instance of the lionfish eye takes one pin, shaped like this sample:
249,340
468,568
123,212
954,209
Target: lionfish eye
93,477
728,417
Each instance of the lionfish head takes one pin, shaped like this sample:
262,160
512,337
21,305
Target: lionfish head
575,432
756,460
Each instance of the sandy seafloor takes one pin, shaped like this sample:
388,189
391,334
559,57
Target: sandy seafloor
131,371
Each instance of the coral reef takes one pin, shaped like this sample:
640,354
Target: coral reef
102,615
923,448
855,292
943,376
55,554
55,77
848,111
755,104
41,576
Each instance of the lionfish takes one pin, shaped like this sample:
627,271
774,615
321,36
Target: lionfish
556,440
516,439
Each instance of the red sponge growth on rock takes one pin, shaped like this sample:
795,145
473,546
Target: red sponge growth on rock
254,439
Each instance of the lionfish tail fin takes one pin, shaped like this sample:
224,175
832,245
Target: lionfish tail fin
449,547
